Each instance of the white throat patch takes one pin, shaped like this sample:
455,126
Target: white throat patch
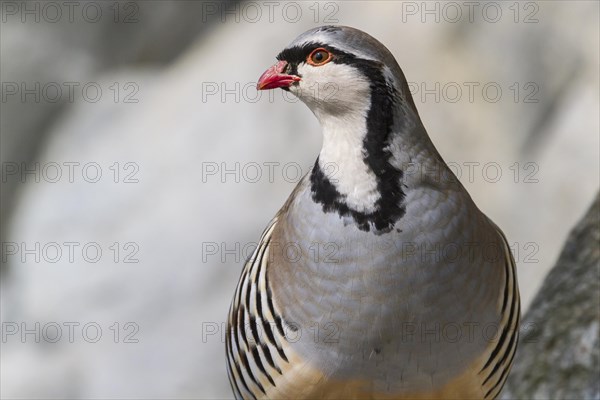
342,156
340,97
341,160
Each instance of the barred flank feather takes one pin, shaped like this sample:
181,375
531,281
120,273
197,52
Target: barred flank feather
255,338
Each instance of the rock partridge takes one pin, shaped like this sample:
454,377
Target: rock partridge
379,277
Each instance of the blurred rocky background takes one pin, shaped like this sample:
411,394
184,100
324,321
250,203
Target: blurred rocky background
559,354
140,165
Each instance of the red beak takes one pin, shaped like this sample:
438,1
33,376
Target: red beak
275,78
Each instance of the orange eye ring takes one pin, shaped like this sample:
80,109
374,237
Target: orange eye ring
319,57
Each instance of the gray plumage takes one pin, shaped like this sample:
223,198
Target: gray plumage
383,280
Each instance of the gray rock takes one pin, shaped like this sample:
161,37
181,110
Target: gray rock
559,350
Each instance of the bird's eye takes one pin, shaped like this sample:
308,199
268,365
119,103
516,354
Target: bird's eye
319,57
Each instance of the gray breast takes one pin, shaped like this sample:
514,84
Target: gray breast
416,305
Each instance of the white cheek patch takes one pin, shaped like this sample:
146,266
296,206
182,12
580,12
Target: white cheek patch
332,89
342,110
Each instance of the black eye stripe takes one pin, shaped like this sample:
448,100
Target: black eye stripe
298,54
